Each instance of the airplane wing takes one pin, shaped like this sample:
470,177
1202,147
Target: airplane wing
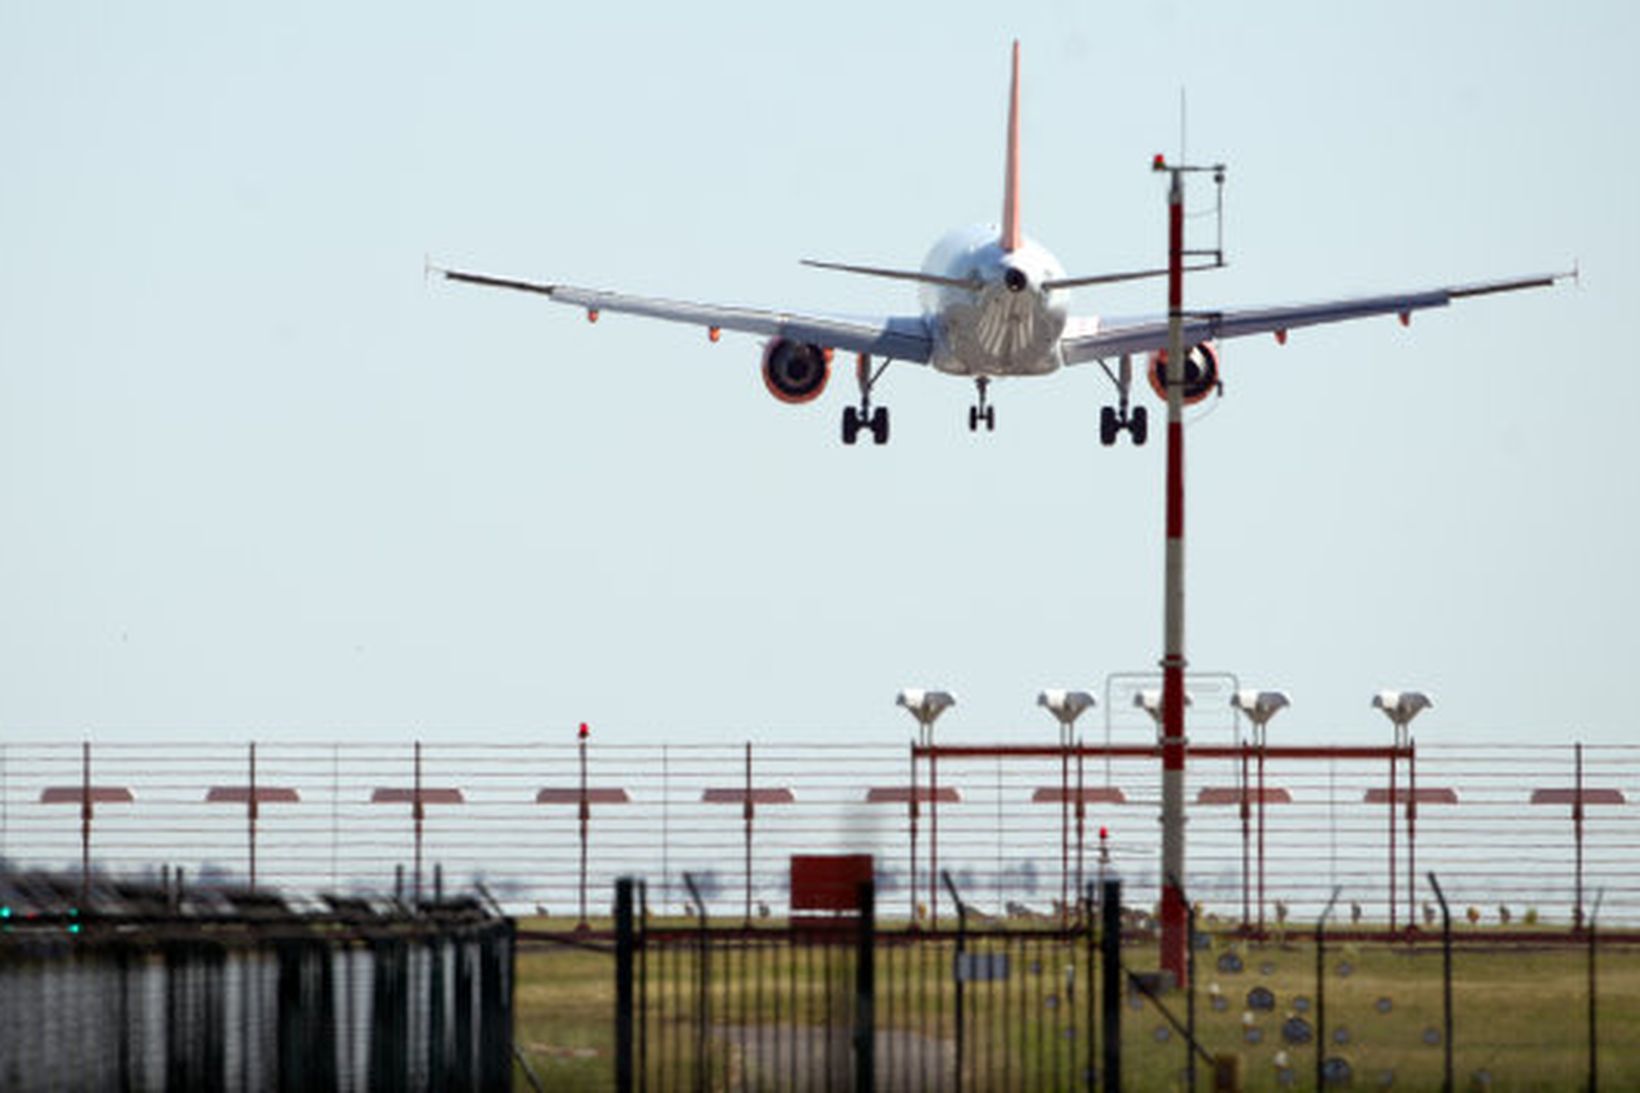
1115,337
902,338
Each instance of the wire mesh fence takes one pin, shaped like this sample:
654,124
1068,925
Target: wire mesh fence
1521,833
989,1003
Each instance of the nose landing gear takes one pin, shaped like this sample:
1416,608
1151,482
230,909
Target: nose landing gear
980,411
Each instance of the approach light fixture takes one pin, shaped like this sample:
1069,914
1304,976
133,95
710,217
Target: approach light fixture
1401,707
1066,707
926,706
1260,707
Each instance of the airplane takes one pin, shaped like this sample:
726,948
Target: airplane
994,305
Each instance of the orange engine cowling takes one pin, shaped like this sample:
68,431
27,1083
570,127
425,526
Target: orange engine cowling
1201,373
795,371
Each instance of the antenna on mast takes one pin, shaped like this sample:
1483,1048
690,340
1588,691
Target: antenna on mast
1217,169
1183,115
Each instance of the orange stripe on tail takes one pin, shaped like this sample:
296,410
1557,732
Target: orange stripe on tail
1011,235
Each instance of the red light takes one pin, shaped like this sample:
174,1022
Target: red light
1159,163
583,733
1104,832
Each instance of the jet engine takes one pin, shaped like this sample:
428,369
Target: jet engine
795,371
1201,373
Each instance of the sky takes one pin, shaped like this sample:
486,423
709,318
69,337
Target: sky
261,478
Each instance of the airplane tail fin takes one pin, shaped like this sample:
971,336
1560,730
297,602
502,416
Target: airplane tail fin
1011,235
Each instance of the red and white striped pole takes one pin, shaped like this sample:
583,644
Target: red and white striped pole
1175,914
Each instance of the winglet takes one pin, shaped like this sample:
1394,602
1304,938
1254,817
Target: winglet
1011,236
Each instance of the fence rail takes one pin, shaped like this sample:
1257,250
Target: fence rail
1516,831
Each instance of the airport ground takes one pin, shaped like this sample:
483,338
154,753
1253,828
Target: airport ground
1520,1017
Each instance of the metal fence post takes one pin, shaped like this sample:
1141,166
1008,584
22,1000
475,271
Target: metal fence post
495,1015
1577,835
85,822
1084,909
1594,1046
1412,834
1064,830
623,984
1446,979
703,998
1391,800
1190,997
585,816
1190,983
419,815
1111,955
957,972
1321,991
747,812
865,992
250,818
933,841
911,811
1091,925
642,987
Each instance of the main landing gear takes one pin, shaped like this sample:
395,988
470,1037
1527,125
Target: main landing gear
1114,419
979,411
876,421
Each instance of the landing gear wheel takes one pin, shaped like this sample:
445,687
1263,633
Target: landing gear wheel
980,411
1139,426
1108,426
865,416
851,425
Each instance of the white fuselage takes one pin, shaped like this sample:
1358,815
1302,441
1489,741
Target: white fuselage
1009,325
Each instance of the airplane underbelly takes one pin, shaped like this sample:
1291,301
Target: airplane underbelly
998,333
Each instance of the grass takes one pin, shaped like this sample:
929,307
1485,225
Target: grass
1519,1014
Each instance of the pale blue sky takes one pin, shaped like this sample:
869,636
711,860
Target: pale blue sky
257,478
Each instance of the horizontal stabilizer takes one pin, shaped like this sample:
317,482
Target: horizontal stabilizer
1112,278
896,274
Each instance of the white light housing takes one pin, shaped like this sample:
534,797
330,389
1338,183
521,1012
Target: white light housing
1067,706
1260,706
925,705
1401,706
